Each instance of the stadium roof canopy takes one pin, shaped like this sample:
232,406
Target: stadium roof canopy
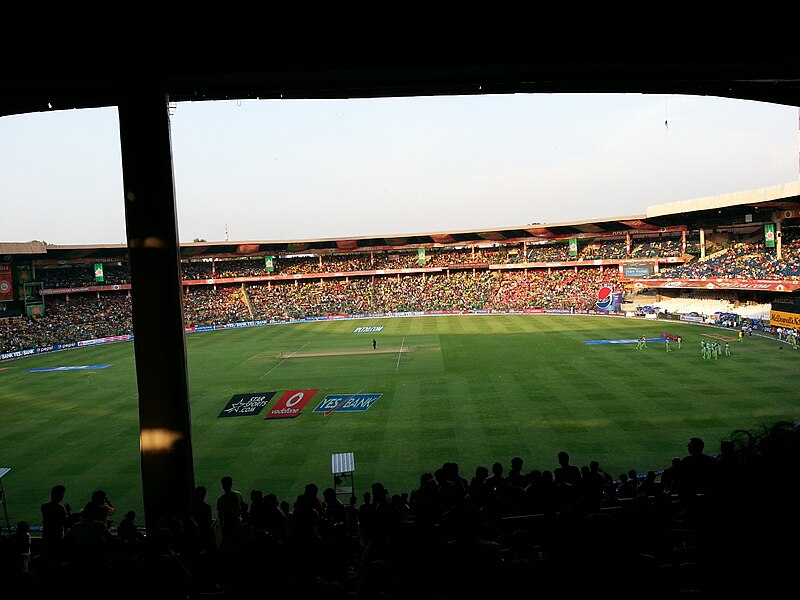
745,210
70,77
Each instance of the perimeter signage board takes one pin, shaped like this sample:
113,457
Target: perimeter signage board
779,318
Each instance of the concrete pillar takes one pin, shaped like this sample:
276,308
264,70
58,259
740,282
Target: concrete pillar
157,302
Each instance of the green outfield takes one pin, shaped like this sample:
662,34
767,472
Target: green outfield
473,389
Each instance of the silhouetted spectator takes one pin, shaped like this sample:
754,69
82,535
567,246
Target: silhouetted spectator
127,529
669,482
515,475
55,522
256,520
697,472
107,509
230,510
277,523
204,515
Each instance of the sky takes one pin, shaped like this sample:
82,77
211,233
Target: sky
273,170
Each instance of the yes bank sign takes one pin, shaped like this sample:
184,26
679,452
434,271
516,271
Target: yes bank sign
341,403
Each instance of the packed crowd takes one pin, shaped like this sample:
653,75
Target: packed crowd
71,275
69,318
83,316
699,527
742,261
90,315
74,317
739,260
556,288
619,250
359,296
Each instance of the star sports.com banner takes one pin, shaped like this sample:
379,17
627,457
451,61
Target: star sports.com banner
246,405
290,404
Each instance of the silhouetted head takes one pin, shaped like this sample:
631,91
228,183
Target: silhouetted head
99,496
57,492
695,445
91,510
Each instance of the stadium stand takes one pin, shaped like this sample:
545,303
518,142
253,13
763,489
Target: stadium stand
225,291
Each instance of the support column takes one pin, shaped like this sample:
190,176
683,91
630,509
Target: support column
158,325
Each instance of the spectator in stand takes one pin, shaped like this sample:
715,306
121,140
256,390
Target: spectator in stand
635,480
650,486
567,480
452,472
697,472
477,484
669,476
625,487
277,522
607,481
496,483
20,549
422,502
335,511
55,522
541,494
566,472
88,543
335,517
230,511
312,491
515,475
106,508
729,467
589,491
204,515
127,530
256,520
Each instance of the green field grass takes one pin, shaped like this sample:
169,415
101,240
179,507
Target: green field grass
473,389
